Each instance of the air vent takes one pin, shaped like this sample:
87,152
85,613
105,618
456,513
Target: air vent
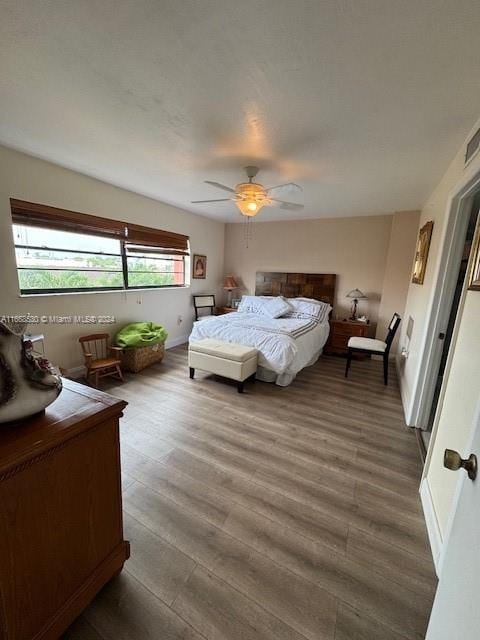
472,147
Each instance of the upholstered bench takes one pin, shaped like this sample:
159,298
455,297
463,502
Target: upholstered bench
225,359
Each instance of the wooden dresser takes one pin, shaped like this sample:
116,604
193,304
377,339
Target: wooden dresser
61,527
342,330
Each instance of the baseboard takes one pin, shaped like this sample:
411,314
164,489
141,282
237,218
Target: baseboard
405,398
433,529
174,342
405,402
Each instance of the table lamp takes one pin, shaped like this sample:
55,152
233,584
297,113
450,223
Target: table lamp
229,284
357,295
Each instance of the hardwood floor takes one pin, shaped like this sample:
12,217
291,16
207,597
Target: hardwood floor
283,513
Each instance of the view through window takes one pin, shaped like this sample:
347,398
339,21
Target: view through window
51,260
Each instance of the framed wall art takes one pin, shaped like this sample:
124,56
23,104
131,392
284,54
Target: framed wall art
421,253
199,266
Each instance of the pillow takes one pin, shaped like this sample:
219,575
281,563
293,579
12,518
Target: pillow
309,309
276,307
270,306
252,304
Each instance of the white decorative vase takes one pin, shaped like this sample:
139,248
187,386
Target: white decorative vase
27,384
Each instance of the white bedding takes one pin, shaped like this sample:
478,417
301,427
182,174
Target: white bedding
285,345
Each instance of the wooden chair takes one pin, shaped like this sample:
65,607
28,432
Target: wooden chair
206,301
375,347
101,359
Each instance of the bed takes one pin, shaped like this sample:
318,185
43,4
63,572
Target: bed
287,344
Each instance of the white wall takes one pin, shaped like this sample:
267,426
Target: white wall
456,409
373,253
419,297
398,270
35,180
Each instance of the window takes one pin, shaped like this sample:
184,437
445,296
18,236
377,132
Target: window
50,260
147,268
60,251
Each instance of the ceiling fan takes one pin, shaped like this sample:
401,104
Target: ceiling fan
251,196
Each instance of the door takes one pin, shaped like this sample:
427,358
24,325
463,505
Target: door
456,610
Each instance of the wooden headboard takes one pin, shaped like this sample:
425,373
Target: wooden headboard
319,286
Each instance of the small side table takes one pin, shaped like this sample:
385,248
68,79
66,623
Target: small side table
220,311
340,333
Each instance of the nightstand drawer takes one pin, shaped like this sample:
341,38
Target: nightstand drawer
340,333
349,331
340,341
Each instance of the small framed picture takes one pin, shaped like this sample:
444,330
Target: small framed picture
199,266
421,253
474,279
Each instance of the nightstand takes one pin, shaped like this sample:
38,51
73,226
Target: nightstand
340,333
220,311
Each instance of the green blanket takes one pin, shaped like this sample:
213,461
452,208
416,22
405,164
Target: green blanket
141,334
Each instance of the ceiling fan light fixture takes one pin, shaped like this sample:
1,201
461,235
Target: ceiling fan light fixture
248,207
250,198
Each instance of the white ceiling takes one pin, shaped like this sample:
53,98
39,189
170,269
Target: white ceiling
362,102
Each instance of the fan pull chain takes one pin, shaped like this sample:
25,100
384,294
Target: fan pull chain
248,230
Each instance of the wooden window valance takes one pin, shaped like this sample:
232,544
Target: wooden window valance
145,236
39,215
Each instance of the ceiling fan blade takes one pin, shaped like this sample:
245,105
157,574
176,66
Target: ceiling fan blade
205,201
290,206
220,186
287,185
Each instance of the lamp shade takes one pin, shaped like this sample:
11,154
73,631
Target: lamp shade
356,294
229,283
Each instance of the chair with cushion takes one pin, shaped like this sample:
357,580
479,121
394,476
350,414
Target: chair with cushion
101,359
202,302
374,347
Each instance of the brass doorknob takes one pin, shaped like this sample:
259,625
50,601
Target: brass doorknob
453,461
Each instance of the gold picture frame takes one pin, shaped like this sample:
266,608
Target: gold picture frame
474,276
421,253
199,267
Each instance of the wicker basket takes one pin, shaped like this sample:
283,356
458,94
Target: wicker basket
137,358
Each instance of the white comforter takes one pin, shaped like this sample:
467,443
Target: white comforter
285,345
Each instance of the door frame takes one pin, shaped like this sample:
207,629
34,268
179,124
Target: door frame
452,243
459,207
